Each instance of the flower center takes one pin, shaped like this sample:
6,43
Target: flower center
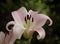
28,21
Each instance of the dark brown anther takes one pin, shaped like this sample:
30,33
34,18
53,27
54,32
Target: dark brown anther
28,17
32,20
25,20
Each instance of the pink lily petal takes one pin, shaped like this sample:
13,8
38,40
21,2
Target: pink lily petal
40,19
9,38
2,36
19,15
41,33
17,29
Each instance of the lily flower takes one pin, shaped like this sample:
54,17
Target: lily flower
25,23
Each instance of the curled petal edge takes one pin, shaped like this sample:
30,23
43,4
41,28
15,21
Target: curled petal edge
9,23
41,33
48,18
51,22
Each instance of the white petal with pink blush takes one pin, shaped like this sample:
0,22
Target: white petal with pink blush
2,36
28,22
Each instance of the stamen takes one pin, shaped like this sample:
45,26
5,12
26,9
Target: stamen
28,17
32,19
25,20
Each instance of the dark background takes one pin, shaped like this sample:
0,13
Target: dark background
49,7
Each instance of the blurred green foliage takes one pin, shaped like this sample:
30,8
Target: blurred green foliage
49,7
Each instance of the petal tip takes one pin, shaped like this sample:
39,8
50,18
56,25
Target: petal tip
41,33
9,23
40,37
51,22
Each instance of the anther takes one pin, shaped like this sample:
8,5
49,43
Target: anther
28,17
32,20
25,20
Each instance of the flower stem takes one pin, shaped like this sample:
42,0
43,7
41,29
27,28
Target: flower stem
28,41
